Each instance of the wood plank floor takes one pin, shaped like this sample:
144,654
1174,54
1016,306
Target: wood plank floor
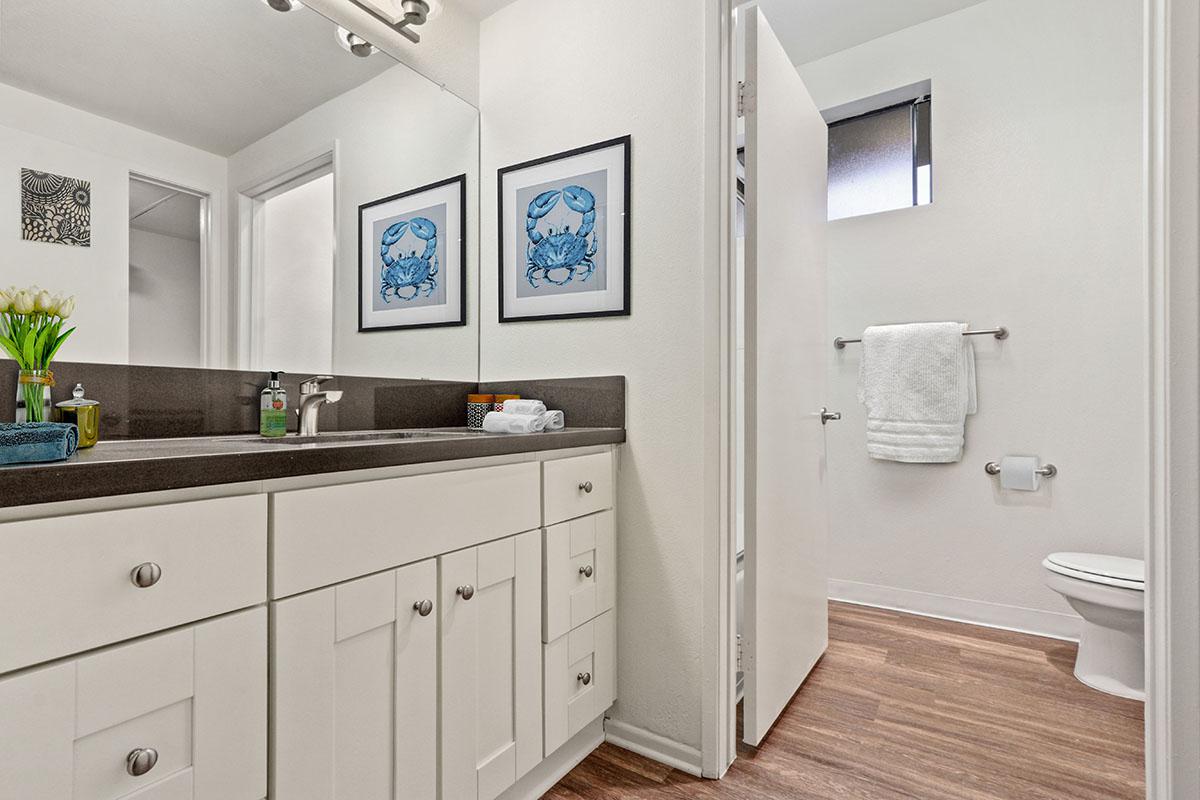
904,707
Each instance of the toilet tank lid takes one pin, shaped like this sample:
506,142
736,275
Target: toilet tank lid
1125,569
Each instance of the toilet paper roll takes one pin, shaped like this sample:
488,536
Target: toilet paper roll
1017,473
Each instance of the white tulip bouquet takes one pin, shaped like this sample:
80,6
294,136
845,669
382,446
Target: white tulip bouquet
31,322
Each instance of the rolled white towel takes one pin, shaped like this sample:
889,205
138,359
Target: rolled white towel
529,407
503,422
555,421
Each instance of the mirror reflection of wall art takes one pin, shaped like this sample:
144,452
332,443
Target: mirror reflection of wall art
55,208
412,253
564,234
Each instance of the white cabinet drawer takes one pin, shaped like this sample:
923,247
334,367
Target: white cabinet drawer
578,572
332,534
66,583
574,487
581,679
355,690
196,696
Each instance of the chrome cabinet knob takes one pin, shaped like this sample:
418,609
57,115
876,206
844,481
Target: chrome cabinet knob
586,571
585,678
423,607
465,592
586,487
141,761
829,416
145,575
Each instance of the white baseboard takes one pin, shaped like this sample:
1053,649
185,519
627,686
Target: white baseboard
958,609
651,745
541,778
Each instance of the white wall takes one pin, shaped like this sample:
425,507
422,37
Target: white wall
558,74
298,265
396,132
1036,225
164,300
44,135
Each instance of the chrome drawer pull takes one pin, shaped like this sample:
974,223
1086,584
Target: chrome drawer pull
586,487
141,761
585,678
423,607
465,592
586,571
145,575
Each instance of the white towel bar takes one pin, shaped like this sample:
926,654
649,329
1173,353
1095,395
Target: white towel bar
999,333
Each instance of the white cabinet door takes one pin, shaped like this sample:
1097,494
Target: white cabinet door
195,697
354,685
490,598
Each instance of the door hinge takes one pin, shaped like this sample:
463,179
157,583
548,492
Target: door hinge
745,659
746,98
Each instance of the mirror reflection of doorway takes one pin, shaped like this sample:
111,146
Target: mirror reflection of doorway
298,278
287,270
167,252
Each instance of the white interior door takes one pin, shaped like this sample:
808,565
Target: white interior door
786,625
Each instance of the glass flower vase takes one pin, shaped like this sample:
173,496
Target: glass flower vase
33,395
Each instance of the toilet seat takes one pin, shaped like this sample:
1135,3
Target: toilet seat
1125,573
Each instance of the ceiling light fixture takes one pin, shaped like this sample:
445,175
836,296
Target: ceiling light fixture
402,15
415,11
353,43
284,5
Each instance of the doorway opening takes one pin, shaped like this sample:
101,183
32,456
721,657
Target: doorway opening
897,518
168,256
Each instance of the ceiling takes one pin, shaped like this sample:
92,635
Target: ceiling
167,211
812,29
482,8
217,74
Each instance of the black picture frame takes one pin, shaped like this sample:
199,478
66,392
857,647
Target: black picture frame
625,142
461,180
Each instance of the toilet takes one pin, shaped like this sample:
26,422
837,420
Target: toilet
1109,593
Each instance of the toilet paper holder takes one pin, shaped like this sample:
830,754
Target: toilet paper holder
1045,470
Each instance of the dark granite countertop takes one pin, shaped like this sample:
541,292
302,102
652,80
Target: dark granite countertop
150,465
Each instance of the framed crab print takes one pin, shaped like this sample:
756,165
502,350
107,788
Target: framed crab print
564,234
412,257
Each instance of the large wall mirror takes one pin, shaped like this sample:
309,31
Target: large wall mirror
193,173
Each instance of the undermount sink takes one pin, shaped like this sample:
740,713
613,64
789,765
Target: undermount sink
337,437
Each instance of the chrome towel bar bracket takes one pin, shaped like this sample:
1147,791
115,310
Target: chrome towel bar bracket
999,333
1046,470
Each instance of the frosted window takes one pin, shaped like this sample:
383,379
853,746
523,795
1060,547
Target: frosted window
876,164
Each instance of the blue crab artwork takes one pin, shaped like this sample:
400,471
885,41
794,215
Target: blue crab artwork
402,272
561,250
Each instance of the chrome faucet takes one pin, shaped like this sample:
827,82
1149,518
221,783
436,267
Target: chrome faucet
311,400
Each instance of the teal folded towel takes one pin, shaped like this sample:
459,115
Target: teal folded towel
33,442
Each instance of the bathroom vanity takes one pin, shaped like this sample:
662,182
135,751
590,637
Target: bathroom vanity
442,627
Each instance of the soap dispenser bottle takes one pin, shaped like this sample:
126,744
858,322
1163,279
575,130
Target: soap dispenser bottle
272,409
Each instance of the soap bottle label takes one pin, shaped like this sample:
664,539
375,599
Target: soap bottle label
272,418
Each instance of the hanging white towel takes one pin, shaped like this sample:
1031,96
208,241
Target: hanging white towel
501,422
917,382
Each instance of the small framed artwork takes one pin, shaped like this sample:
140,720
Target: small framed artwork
55,208
412,258
564,234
